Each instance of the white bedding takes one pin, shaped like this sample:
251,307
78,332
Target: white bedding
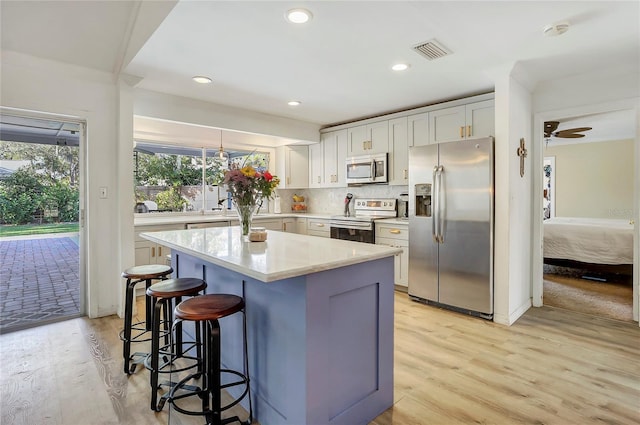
590,240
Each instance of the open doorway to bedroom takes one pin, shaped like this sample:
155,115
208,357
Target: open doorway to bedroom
587,214
41,279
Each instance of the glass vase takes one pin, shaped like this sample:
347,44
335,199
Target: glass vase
245,214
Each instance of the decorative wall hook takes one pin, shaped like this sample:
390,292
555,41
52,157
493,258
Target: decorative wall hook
522,153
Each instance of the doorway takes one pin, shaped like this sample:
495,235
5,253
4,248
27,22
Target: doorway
42,279
627,276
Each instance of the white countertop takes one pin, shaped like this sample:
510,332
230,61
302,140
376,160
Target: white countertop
395,220
151,219
282,255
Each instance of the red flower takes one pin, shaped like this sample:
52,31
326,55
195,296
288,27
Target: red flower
267,176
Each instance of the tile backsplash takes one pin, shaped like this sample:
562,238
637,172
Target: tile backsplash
331,201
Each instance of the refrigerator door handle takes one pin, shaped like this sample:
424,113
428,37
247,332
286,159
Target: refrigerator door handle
441,205
434,215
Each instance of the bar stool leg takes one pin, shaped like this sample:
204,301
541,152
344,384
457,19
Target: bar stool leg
148,302
213,370
155,354
128,313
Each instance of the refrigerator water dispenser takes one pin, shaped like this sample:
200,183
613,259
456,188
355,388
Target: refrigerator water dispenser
423,200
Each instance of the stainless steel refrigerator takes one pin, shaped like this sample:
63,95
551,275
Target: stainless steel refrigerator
451,225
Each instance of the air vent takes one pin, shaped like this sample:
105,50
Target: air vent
432,50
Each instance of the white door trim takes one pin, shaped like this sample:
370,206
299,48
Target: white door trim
537,163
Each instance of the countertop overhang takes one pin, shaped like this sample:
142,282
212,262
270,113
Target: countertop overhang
283,255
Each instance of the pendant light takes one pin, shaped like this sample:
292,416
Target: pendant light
222,155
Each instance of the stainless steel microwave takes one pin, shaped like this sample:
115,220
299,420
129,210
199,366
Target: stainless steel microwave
367,169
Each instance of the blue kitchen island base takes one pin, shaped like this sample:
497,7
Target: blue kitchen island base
320,344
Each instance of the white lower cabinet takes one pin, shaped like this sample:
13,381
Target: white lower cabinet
289,225
147,252
301,226
268,223
397,236
319,227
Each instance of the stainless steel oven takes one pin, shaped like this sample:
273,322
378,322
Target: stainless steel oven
360,226
350,229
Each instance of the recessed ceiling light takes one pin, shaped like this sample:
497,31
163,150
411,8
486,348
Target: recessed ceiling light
294,103
556,29
400,67
298,16
201,79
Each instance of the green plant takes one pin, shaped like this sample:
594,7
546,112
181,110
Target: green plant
20,196
170,199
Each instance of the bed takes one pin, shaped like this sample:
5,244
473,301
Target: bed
583,242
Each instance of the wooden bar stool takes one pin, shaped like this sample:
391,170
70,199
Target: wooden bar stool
205,311
141,330
166,294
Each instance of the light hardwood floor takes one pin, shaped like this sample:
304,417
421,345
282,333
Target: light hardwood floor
552,366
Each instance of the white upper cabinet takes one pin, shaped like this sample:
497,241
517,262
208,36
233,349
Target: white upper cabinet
327,160
418,129
316,165
398,152
481,119
334,146
462,122
293,167
368,139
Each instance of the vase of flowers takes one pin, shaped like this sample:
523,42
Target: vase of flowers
248,186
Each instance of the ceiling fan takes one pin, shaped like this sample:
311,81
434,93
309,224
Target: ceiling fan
550,128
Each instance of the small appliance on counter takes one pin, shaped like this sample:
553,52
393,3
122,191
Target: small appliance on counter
403,206
347,202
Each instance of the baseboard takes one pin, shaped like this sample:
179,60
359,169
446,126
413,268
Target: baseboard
513,316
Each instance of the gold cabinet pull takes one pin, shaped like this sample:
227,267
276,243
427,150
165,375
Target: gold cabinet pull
461,132
319,224
395,231
468,131
288,180
153,252
159,251
405,174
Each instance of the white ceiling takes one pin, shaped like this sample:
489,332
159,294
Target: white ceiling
338,65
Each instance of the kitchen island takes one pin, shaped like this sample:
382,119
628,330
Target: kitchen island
319,318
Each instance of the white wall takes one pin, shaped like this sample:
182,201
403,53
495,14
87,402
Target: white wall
512,252
46,86
593,179
181,109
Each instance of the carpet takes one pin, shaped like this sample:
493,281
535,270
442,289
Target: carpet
598,294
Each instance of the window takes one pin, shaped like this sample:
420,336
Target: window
172,177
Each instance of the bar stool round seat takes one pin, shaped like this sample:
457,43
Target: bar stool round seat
205,311
166,294
139,331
